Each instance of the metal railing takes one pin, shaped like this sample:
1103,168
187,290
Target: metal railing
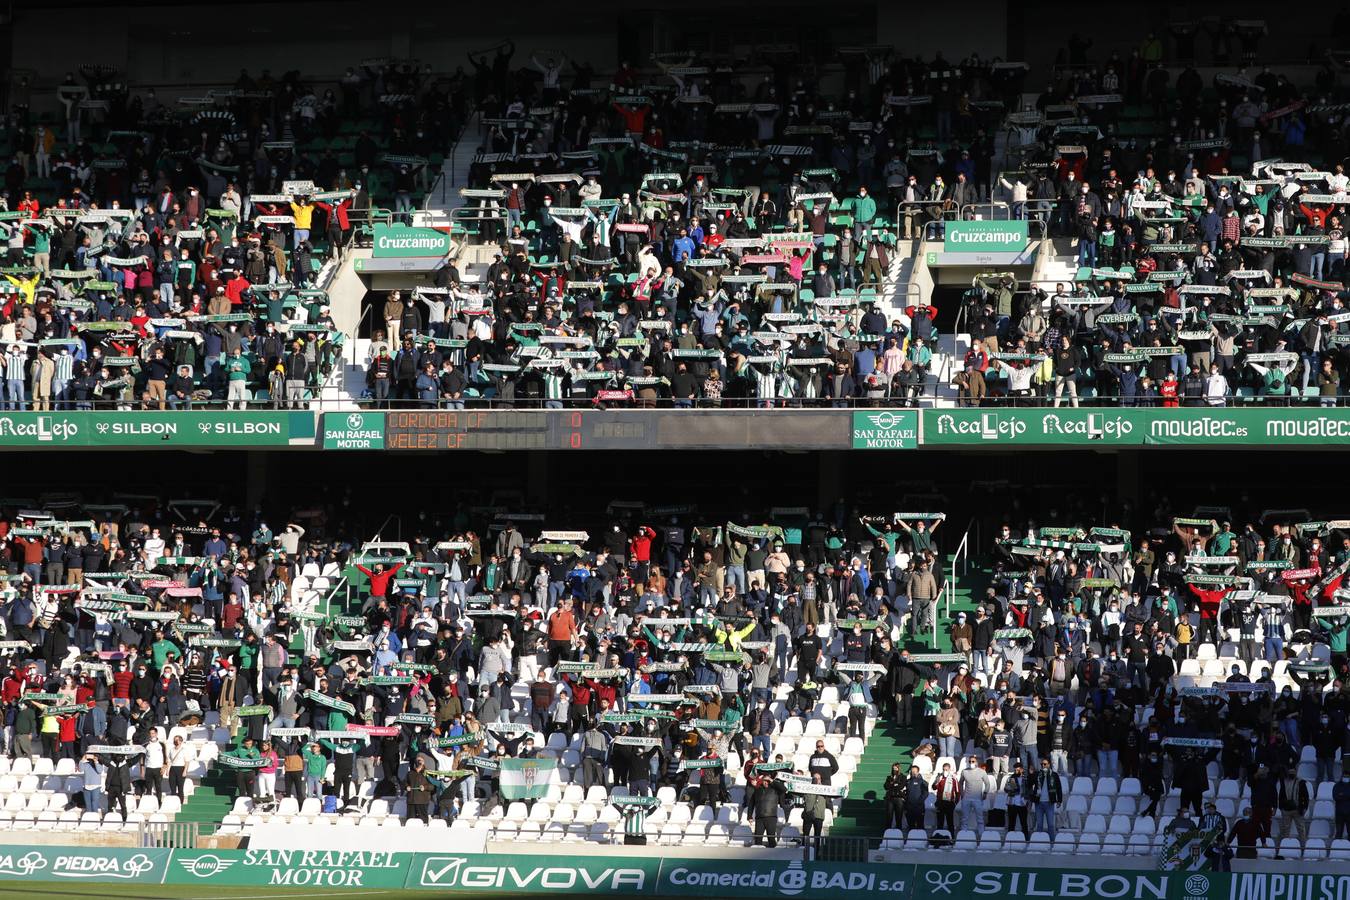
919,209
340,586
827,848
961,560
442,182
970,210
920,397
170,835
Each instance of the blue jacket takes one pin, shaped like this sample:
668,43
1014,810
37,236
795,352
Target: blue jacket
427,386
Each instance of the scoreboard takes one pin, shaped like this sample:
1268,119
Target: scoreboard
614,429
481,430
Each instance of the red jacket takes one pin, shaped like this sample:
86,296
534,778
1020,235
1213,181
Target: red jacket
379,581
581,691
634,117
234,289
12,688
640,545
338,211
32,549
1316,214
941,784
604,692
121,685
1209,600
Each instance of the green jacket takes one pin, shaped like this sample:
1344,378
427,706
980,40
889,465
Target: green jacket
161,649
238,368
864,209
1336,630
316,764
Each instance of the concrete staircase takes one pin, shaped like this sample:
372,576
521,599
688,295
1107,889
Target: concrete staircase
454,175
863,812
211,802
1058,263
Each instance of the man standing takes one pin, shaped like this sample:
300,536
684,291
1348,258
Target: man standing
1067,361
768,796
562,629
916,795
1016,788
813,812
1047,790
895,798
947,789
922,589
974,791
822,763
1293,800
296,365
237,371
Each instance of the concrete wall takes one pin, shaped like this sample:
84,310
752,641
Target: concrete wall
199,44
922,29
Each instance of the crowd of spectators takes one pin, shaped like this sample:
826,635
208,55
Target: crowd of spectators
456,653
1200,670
1167,656
166,253
693,235
1209,226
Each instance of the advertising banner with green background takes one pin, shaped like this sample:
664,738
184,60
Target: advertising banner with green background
353,431
1131,427
204,428
886,430
972,882
291,868
270,871
397,241
985,237
527,873
80,864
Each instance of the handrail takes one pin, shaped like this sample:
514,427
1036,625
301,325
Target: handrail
340,584
958,557
992,205
171,835
956,330
440,182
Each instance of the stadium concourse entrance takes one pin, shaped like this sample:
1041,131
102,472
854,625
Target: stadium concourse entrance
357,491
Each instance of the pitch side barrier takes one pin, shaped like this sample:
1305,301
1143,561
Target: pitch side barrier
643,876
728,429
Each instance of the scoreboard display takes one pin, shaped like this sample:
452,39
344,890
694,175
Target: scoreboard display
438,429
481,430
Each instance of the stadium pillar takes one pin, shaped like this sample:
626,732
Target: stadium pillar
830,484
259,466
1127,476
536,477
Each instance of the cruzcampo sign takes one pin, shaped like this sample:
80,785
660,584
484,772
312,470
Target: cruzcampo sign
886,430
985,237
395,241
194,428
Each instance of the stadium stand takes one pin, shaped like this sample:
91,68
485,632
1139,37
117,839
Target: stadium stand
125,239
456,652
1178,690
622,241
